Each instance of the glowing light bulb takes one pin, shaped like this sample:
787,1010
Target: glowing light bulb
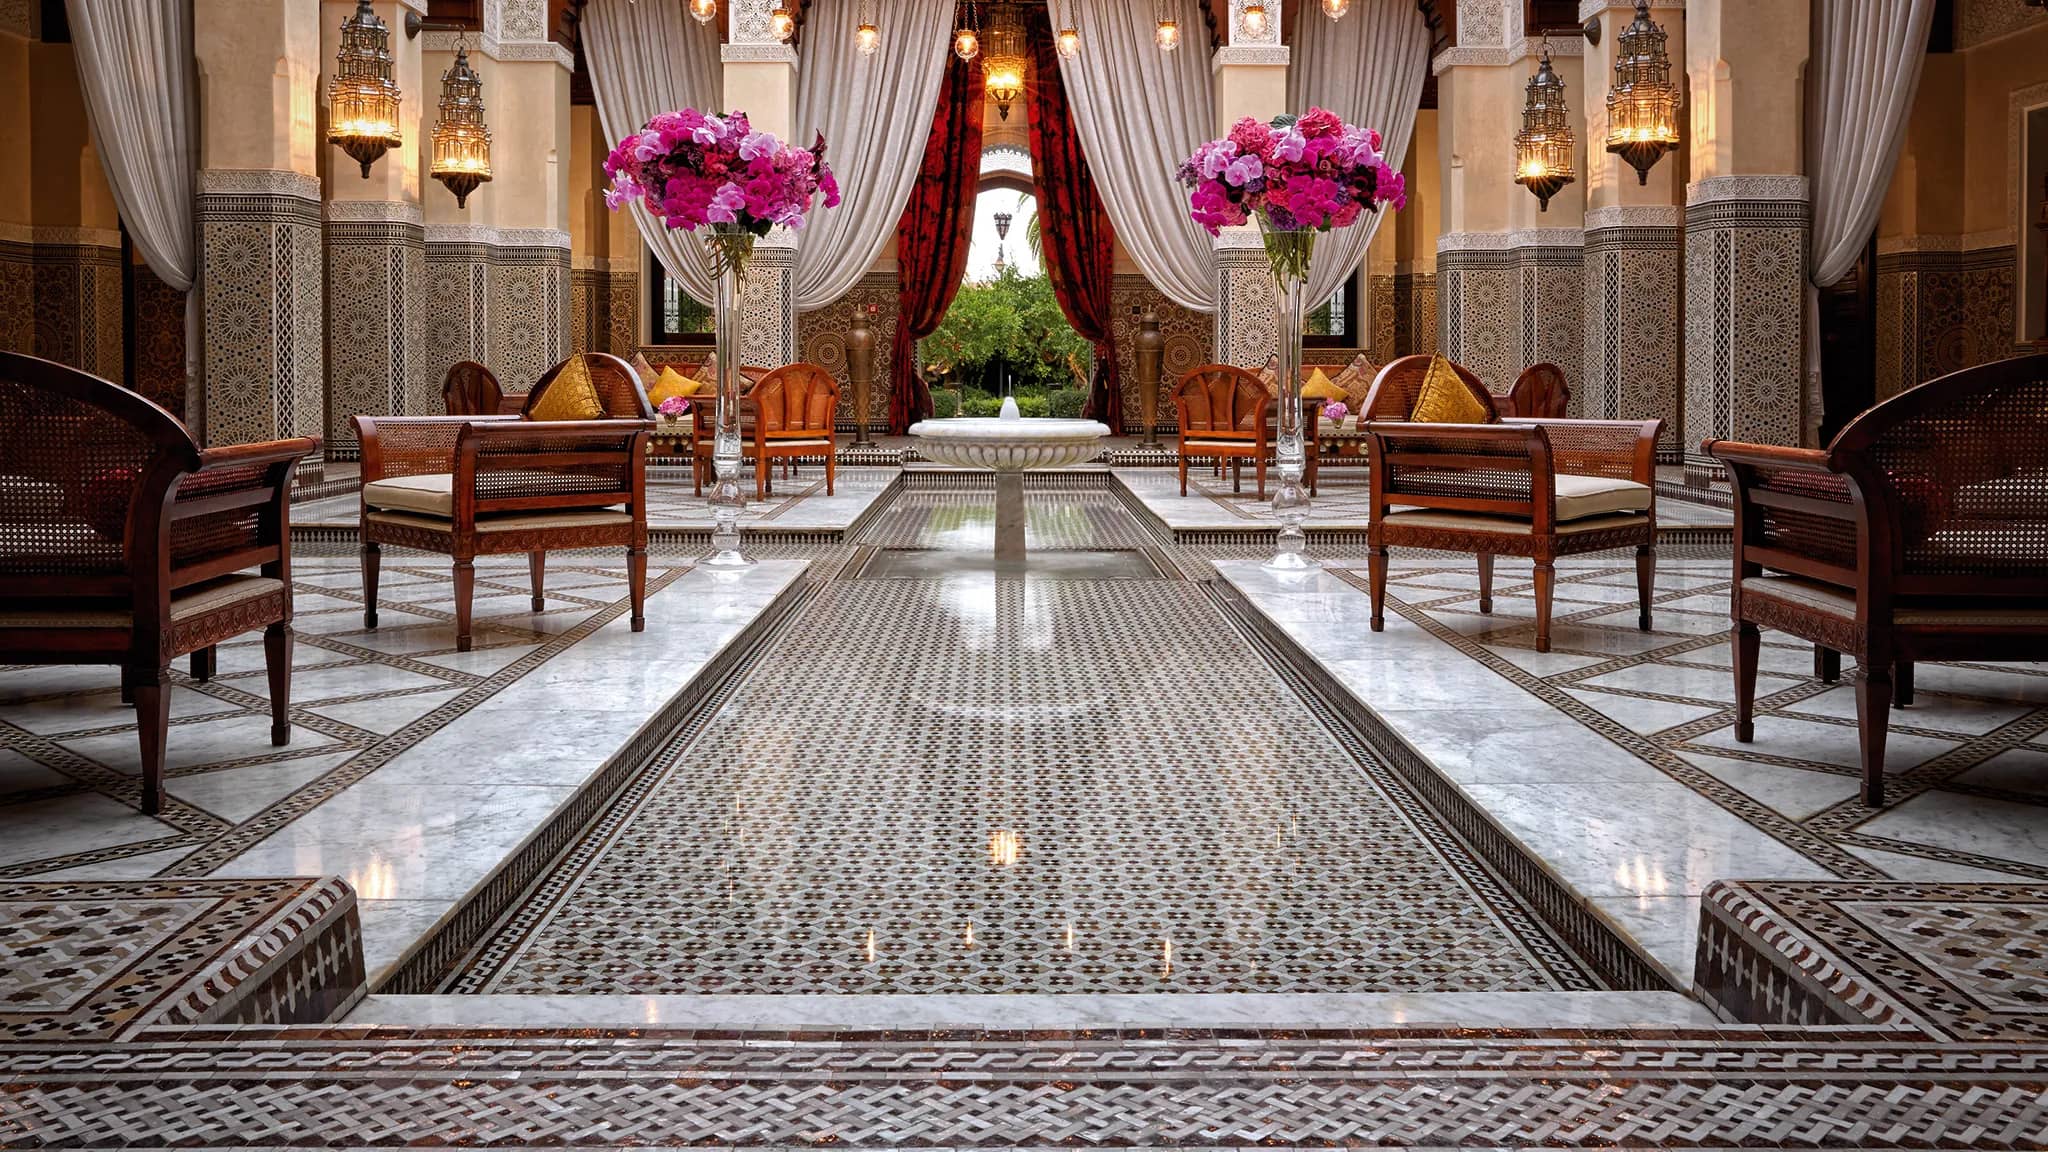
1070,43
781,23
966,45
704,10
1167,35
1335,9
1255,20
867,38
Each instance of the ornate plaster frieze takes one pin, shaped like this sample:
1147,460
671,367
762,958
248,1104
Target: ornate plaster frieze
1721,189
1510,241
1276,55
1588,9
1527,48
497,237
1634,216
373,212
769,53
257,182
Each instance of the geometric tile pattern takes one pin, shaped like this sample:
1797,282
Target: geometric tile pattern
1053,521
1035,812
104,960
376,300
821,340
1690,1089
1967,793
1189,339
1964,961
263,262
1941,312
1745,242
1632,329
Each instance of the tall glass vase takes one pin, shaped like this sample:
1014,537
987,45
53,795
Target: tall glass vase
1287,253
730,246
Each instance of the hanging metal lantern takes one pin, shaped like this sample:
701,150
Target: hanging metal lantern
1335,9
704,10
1543,148
362,100
1069,39
462,144
1642,106
781,23
867,35
1167,34
1003,70
966,39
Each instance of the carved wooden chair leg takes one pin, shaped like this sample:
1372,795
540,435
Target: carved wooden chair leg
372,557
1873,718
1748,642
277,666
1902,684
465,595
127,687
636,584
204,661
1486,582
1259,470
536,566
152,725
1646,584
1546,581
1376,563
1237,475
1827,664
831,471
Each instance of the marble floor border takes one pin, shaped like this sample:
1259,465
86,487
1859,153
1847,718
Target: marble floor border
446,948
1552,901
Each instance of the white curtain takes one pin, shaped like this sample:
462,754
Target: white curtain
876,114
135,66
645,59
1369,70
1140,112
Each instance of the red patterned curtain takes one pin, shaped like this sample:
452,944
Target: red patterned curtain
933,237
1080,245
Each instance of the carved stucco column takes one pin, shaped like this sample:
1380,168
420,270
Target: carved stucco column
760,80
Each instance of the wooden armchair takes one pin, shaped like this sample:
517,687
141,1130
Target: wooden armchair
1921,533
1226,414
123,542
704,430
470,389
477,486
1536,488
1540,392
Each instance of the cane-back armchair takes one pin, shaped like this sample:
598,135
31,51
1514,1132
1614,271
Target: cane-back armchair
1921,533
479,486
470,389
1543,489
123,542
1227,415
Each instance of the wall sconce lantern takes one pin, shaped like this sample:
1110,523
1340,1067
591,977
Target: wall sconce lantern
462,144
704,10
362,100
1255,20
1543,148
781,24
1642,106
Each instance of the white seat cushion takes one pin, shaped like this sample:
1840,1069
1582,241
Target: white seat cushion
1829,598
1581,496
1506,525
186,603
512,521
431,493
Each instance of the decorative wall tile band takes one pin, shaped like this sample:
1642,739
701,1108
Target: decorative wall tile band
262,261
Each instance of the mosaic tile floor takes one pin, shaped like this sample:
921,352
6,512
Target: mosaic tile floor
1030,812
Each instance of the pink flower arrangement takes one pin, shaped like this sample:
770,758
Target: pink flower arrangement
1335,411
675,407
1312,173
690,170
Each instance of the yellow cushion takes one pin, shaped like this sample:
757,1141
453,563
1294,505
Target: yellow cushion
1445,399
570,395
1319,387
671,385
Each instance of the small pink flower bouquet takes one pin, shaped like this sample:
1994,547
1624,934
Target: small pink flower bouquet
691,170
675,407
1335,411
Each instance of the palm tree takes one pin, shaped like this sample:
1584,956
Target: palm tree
1034,235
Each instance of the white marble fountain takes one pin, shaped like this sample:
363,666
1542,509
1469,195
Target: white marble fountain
1009,445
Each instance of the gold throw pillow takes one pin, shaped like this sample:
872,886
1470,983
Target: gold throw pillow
1321,387
1445,399
671,385
570,395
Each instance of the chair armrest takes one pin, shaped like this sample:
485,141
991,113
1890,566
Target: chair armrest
233,511
412,445
1615,449
1793,511
1493,468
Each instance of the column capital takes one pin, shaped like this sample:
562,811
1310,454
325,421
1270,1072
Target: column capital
1720,189
1251,55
